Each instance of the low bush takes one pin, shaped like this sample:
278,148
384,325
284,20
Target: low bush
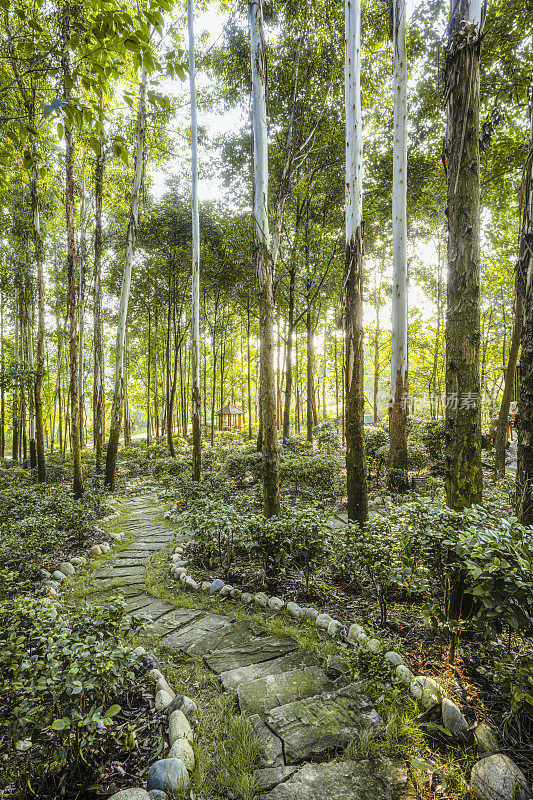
37,520
309,475
58,689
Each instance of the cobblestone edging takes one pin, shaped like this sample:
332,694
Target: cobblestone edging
494,776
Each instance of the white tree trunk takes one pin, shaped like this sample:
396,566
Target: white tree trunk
353,277
131,238
265,265
398,388
195,311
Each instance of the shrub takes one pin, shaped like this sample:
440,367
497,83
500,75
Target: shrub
270,543
217,528
245,467
36,521
309,538
311,474
433,435
58,685
327,436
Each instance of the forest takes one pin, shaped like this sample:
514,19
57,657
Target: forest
266,400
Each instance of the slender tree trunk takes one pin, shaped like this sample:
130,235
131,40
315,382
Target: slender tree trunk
16,388
148,376
265,265
249,375
2,393
81,316
524,475
75,436
114,432
98,385
502,427
353,276
31,395
324,413
57,392
297,397
376,365
399,385
463,418
195,314
39,372
288,369
310,374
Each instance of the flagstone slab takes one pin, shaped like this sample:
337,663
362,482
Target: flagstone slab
322,724
120,572
236,634
271,752
252,652
185,638
377,779
234,677
174,621
263,694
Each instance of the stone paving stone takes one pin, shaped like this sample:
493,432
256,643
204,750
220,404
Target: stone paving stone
138,603
271,754
269,777
188,636
377,779
119,572
174,621
236,634
234,677
252,652
157,608
263,694
322,724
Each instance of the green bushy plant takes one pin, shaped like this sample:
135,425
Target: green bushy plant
327,436
37,520
311,474
309,538
218,528
59,684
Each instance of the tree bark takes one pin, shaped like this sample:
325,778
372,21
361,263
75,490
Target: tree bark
265,265
353,275
524,475
195,315
464,476
98,385
288,369
502,426
116,412
75,436
399,378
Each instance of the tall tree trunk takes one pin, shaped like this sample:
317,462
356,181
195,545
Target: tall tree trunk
463,415
502,426
353,275
81,316
39,372
195,314
310,373
265,265
249,375
148,376
75,436
31,394
524,475
57,392
16,388
399,385
376,364
288,368
2,393
114,432
324,413
98,385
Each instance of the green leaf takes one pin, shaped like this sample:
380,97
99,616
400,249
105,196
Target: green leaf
60,724
112,711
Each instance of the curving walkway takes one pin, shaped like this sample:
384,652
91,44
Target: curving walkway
301,713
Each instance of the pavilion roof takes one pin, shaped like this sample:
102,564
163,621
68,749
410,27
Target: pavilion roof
229,409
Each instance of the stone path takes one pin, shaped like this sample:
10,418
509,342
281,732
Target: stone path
299,713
